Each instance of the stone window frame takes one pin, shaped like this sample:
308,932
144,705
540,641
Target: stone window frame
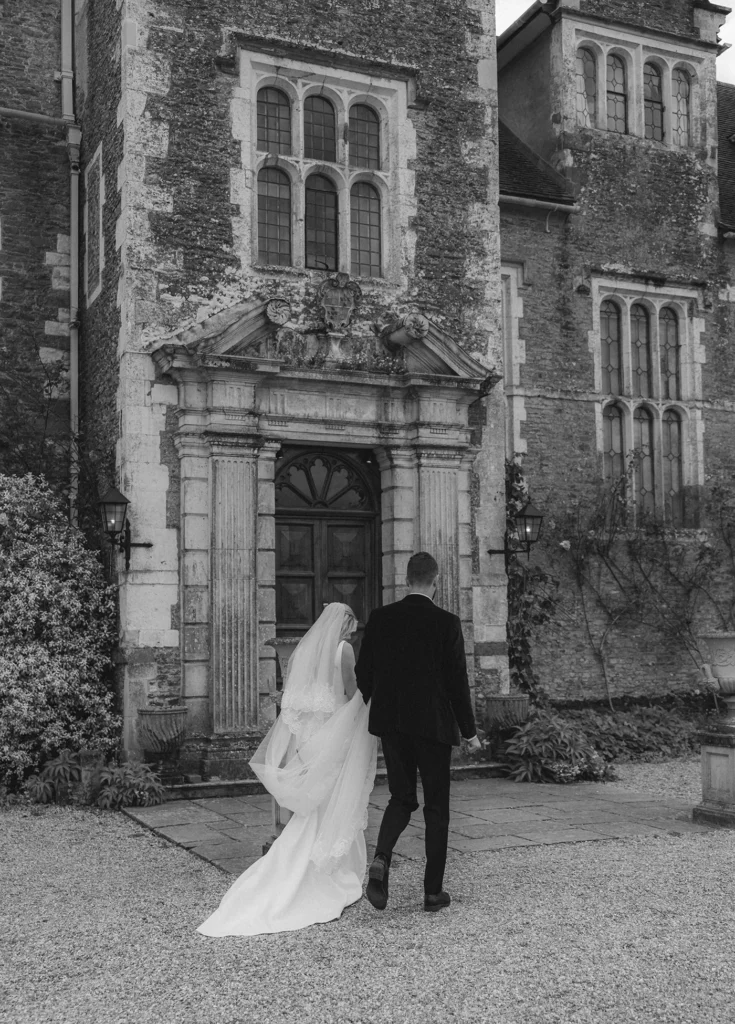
93,289
636,54
344,88
687,302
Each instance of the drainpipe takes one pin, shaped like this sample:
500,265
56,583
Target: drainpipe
73,142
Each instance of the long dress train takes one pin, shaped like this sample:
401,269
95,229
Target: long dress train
324,774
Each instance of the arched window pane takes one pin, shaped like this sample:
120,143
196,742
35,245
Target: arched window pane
653,102
274,217
274,121
586,87
673,466
681,88
321,223
612,423
320,129
610,347
364,137
668,335
640,350
643,470
365,229
617,95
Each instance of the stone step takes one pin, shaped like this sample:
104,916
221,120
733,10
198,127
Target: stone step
251,787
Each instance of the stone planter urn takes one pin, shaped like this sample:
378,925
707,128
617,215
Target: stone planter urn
161,732
504,710
721,648
718,743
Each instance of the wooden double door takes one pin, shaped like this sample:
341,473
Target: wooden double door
326,536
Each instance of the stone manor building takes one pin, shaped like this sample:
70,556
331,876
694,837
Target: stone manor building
330,265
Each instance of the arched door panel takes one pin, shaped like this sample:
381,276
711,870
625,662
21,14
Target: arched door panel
326,538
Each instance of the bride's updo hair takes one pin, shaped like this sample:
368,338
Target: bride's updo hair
422,569
350,623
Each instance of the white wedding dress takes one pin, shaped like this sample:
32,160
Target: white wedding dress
318,760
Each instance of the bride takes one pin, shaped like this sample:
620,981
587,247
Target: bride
318,760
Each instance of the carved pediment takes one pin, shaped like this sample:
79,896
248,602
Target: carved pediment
260,332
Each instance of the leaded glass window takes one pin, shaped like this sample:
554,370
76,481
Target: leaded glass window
643,465
673,466
612,423
640,350
321,223
364,137
320,482
365,230
586,87
611,354
274,121
653,102
681,88
617,95
668,335
274,217
320,129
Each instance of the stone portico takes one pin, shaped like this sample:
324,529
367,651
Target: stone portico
249,387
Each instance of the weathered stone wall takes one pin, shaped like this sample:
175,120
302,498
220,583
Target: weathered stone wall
34,242
177,177
663,15
188,109
98,95
648,216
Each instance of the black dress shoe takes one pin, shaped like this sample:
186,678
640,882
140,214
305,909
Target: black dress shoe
438,902
377,887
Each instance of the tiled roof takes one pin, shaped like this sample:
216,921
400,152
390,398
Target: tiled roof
726,150
524,174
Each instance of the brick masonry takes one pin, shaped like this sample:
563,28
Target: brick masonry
34,241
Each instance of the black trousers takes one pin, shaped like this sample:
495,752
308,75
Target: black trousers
403,756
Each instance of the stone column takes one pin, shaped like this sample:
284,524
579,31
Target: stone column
397,516
266,584
195,620
438,515
234,658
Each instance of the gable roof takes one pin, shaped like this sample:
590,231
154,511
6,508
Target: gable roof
726,151
525,174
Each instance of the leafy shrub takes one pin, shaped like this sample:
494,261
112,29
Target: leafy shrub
548,749
57,626
640,734
129,785
126,785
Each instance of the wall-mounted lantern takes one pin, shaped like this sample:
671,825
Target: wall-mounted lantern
114,513
527,531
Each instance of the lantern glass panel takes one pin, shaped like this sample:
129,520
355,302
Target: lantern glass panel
113,510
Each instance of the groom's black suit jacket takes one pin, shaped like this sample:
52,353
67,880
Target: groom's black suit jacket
412,667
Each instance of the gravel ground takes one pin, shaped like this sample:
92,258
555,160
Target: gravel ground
680,778
97,922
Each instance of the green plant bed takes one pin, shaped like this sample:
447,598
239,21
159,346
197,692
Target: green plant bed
549,748
637,734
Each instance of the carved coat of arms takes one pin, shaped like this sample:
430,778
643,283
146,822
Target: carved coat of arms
339,297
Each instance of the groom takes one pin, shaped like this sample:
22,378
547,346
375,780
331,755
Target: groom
412,666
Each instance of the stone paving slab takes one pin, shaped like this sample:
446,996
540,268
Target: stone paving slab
486,815
464,845
568,835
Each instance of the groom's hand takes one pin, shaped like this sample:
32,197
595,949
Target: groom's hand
473,743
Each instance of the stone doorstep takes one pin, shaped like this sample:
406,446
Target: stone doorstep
252,787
